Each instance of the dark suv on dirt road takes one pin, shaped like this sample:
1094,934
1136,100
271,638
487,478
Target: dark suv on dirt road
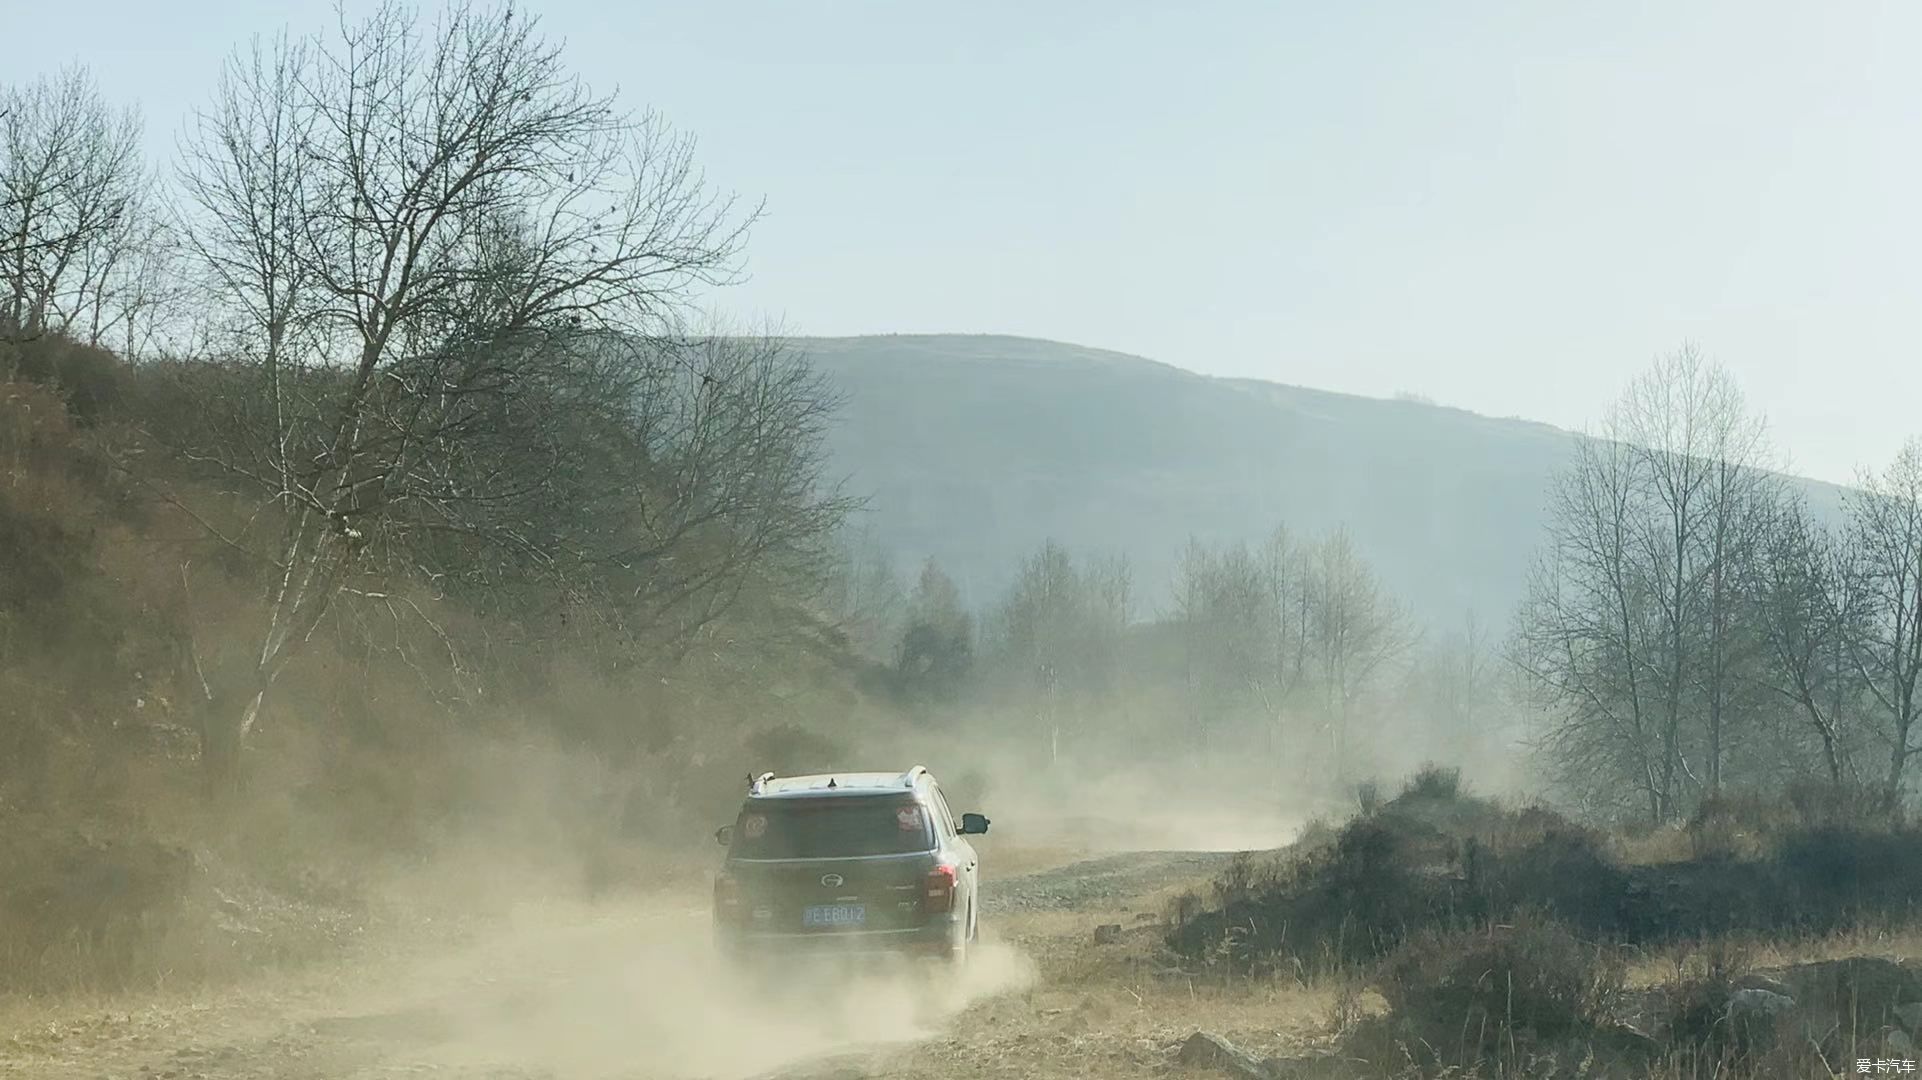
867,862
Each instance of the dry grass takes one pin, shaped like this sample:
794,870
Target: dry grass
1657,966
1630,948
1110,1011
1114,1011
1121,1010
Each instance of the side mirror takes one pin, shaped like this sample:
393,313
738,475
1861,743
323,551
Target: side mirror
724,835
973,824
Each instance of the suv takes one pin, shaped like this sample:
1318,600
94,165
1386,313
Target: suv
861,861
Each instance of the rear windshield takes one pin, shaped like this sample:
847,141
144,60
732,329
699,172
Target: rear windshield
829,827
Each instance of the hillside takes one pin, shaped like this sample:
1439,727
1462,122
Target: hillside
976,448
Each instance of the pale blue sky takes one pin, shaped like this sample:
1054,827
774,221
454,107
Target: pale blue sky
1507,207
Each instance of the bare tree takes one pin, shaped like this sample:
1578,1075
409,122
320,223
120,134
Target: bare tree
1192,612
1220,611
1885,533
1111,580
1698,457
716,478
71,185
1056,635
1037,628
937,648
1358,629
1290,630
1636,627
444,267
1468,683
249,178
1587,631
1742,496
135,289
1808,611
865,597
1451,700
1286,575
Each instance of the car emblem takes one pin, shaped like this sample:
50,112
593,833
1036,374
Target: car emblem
833,881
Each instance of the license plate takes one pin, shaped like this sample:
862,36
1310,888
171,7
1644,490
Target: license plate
835,915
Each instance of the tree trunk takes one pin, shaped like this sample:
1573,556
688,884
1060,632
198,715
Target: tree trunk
223,735
1665,793
1340,743
1898,757
1715,733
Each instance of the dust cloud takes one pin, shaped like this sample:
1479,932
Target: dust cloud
1131,806
641,993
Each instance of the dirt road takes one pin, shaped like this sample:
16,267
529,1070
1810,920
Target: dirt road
572,994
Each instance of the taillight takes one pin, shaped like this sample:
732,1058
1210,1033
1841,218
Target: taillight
727,894
940,891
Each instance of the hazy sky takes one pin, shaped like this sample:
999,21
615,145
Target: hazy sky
1507,207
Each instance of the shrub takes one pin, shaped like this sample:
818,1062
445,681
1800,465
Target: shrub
1433,782
79,908
1774,1033
1315,834
1531,974
1368,797
1513,993
1734,825
1544,860
1357,894
1746,824
1352,900
1437,859
1819,803
1833,875
87,377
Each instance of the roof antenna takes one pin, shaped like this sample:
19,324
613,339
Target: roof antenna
831,781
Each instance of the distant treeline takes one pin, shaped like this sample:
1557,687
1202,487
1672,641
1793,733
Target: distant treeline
1691,626
1288,656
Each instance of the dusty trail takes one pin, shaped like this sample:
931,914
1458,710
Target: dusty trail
1107,879
565,995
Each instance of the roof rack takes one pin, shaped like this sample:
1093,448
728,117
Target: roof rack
914,774
755,783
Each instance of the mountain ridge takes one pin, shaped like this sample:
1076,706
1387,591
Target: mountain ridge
974,449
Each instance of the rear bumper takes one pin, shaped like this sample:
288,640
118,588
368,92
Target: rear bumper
939,936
